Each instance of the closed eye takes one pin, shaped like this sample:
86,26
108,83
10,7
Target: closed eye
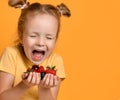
33,36
50,38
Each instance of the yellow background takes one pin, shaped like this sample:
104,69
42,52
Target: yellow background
89,43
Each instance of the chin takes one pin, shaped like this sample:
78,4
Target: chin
37,62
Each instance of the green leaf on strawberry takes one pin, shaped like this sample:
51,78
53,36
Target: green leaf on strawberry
51,70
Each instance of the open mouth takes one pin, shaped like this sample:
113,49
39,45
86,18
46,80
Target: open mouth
38,52
37,55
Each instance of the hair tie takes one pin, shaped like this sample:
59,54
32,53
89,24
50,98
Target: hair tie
24,6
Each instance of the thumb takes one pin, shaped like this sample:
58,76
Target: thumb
25,75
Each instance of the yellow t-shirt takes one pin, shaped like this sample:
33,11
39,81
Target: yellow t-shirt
14,61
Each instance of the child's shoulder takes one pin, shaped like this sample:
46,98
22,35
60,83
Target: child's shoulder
12,49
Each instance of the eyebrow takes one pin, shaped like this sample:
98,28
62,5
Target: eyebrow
51,34
47,34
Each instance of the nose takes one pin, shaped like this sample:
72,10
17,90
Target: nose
41,41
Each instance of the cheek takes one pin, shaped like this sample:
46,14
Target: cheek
26,44
51,45
27,40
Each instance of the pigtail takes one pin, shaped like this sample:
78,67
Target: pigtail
22,4
64,10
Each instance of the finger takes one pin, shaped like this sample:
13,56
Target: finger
47,80
24,75
33,78
56,80
29,77
38,78
44,79
51,81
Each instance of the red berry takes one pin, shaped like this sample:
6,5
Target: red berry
41,69
35,67
51,70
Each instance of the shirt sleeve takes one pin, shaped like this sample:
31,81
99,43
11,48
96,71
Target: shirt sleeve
58,62
7,61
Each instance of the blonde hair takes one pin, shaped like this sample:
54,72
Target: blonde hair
37,8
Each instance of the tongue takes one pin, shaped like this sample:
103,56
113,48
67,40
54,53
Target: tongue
37,56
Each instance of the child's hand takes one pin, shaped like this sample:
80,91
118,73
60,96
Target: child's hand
49,81
31,79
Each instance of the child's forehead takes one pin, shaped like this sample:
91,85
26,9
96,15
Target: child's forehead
42,18
42,23
31,16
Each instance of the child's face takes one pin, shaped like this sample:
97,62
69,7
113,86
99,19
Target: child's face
39,37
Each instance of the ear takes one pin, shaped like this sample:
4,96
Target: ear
21,41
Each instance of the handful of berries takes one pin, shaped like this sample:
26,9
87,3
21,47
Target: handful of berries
41,70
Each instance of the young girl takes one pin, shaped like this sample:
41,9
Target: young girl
38,29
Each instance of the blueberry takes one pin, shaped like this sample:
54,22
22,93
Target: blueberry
42,75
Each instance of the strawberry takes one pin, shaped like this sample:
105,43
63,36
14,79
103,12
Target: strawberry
51,70
41,69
